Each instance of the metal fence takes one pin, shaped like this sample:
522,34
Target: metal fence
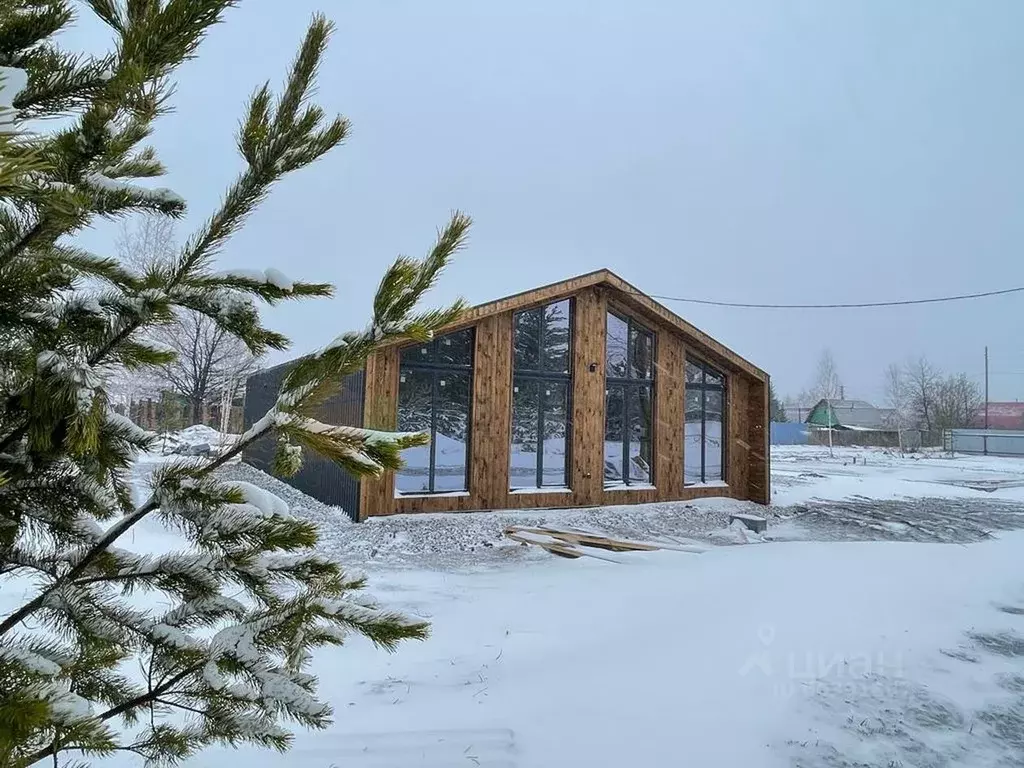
997,442
795,433
789,433
318,477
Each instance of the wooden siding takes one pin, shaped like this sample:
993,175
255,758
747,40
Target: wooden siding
738,445
669,411
491,413
758,437
587,435
380,406
746,412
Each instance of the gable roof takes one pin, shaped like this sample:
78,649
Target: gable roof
855,414
627,295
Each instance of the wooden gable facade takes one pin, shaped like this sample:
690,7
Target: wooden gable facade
746,456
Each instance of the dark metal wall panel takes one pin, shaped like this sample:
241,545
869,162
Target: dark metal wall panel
318,477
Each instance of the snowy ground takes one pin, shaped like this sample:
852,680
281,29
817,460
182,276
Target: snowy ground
864,493
803,473
859,494
881,624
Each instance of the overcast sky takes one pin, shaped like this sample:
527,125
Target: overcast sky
761,151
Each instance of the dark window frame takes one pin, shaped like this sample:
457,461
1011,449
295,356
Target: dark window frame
436,370
542,376
703,386
631,386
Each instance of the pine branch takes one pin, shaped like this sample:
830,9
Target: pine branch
120,710
116,531
179,705
24,243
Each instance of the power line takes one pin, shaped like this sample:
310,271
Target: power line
853,305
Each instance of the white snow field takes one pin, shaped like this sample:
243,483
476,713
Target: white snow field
808,651
802,473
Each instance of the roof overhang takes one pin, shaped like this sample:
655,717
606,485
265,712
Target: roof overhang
622,293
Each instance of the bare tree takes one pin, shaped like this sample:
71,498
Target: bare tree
148,243
801,404
827,387
957,401
896,387
921,380
210,366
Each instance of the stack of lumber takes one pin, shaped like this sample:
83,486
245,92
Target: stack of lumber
574,543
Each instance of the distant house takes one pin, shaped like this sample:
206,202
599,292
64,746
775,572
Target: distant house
1001,416
856,415
857,422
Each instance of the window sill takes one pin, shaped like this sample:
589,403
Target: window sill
546,489
428,495
631,487
712,484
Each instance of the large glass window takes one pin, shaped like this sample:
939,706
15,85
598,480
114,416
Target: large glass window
629,402
435,385
704,435
540,397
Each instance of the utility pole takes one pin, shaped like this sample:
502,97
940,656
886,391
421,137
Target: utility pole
985,439
986,387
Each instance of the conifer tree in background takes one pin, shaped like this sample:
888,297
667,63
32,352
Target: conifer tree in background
89,613
777,410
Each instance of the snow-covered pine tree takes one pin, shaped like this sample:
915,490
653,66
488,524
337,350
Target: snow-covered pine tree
222,630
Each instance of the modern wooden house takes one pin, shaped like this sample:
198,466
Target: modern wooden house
582,393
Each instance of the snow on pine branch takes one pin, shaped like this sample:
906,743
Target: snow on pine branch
76,372
201,567
266,503
356,434
362,613
165,634
134,432
216,605
30,661
277,562
65,707
84,302
269,276
232,303
253,725
278,688
277,418
225,518
280,691
157,195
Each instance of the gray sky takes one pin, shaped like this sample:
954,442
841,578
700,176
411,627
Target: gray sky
741,151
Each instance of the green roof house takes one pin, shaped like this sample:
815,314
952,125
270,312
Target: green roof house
855,415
